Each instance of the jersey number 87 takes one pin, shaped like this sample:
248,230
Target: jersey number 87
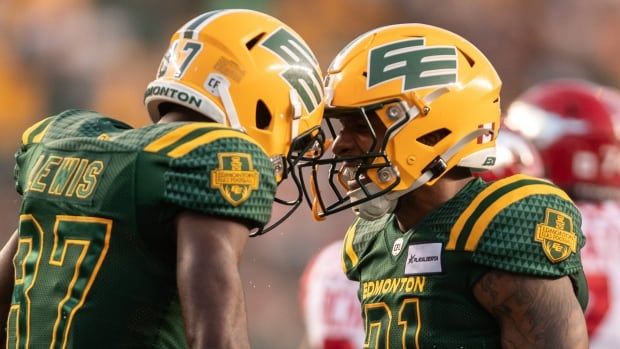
80,245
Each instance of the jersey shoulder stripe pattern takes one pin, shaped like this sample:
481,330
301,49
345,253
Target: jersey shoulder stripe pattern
182,140
472,223
35,133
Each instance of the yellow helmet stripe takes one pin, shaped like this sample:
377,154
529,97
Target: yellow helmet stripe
348,247
185,148
174,136
460,222
487,216
36,131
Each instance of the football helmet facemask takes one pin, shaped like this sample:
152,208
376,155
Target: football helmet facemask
437,97
252,72
576,126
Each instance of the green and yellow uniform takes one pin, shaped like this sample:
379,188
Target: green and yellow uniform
416,287
95,266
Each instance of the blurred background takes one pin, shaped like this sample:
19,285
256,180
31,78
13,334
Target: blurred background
101,54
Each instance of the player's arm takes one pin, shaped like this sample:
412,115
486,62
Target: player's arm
6,281
533,312
208,253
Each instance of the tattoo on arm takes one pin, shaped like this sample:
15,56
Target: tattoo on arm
533,312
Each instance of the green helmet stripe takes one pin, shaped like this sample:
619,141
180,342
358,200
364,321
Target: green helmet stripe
302,75
189,28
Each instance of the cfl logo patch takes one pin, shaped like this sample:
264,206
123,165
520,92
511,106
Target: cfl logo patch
214,82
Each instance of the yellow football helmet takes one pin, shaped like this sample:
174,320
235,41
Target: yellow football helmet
249,71
436,94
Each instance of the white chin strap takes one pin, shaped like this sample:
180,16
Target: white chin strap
222,90
381,205
297,109
378,207
372,209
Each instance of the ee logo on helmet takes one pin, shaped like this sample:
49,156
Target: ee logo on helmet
302,74
418,65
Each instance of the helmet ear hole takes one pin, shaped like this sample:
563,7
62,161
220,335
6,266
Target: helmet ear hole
469,59
250,44
263,115
434,137
164,108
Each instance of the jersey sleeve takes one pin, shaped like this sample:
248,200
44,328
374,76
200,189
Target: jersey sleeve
223,173
29,138
530,227
62,128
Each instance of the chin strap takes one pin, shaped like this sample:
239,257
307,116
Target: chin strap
296,104
372,209
315,207
222,90
384,204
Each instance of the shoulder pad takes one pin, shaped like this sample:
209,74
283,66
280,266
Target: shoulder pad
69,124
178,142
34,134
217,171
521,224
471,224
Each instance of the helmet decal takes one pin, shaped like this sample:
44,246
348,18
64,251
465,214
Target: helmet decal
302,76
181,94
417,64
191,29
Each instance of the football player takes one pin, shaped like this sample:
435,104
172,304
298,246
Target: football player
329,303
329,300
575,125
444,260
132,237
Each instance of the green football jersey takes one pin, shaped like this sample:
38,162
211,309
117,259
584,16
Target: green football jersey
95,266
416,287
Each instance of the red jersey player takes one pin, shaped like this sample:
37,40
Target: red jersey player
576,127
329,303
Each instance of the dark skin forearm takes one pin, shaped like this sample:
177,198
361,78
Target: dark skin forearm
210,288
6,282
533,312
